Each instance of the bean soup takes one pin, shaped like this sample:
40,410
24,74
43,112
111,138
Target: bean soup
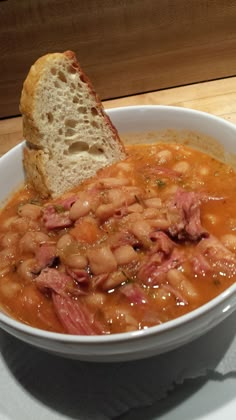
147,240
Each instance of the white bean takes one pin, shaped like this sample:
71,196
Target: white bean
124,166
104,211
113,182
164,156
28,268
9,289
101,260
125,254
19,224
7,259
135,208
96,298
178,280
30,210
76,261
31,241
64,242
9,239
154,202
80,208
114,280
203,170
229,240
182,167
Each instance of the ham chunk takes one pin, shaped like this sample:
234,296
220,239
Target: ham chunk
53,280
75,316
46,255
219,258
162,242
54,217
101,260
134,293
184,215
153,271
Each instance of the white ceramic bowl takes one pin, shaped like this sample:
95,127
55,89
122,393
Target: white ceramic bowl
158,339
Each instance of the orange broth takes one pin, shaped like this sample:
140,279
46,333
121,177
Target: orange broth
159,171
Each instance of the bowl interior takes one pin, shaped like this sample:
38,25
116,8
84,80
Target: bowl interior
127,120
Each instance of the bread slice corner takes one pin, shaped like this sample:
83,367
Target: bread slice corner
68,134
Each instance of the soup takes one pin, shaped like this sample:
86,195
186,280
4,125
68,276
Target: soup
147,240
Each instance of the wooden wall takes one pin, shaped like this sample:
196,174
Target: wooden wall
125,46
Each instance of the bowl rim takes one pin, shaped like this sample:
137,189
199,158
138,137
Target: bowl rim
173,108
159,329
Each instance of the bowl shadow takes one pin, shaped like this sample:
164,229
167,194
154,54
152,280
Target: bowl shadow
101,391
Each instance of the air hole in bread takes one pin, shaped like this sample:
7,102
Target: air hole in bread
94,111
71,70
83,78
62,77
71,123
95,124
60,131
82,109
53,70
50,117
56,84
96,150
75,100
78,147
69,132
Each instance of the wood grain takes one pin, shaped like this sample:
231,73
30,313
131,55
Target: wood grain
216,97
125,46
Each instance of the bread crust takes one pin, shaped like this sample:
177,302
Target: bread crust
35,161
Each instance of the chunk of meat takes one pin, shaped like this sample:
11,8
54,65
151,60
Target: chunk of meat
161,243
134,293
122,238
51,279
213,248
75,316
67,202
163,171
153,271
53,218
184,216
200,264
220,258
78,274
46,255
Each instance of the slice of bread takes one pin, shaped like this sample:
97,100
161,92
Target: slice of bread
68,134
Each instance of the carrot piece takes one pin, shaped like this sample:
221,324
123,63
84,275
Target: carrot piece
86,231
